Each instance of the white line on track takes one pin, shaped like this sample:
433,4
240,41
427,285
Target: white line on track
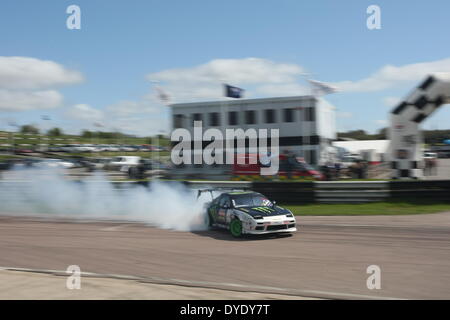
216,285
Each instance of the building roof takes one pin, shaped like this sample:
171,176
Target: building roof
356,146
241,101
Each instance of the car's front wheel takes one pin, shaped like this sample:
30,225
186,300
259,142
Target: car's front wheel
236,228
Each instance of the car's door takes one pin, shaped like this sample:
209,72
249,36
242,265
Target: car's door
214,207
224,209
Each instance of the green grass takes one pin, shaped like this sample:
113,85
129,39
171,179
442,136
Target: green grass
368,209
8,157
34,139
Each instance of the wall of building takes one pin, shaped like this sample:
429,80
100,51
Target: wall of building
306,129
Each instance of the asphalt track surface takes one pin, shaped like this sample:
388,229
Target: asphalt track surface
327,258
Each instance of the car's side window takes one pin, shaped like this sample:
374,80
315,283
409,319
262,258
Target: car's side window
224,201
217,200
227,202
221,201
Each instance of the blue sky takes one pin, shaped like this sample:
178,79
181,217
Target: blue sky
122,45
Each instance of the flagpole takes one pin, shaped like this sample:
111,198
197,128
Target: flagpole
222,119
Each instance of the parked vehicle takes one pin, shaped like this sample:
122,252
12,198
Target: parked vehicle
122,163
148,168
290,167
97,163
430,155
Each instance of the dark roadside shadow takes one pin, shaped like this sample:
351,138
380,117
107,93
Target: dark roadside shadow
223,234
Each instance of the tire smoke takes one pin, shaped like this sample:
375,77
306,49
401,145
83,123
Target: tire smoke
50,194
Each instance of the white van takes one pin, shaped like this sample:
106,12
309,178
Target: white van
122,163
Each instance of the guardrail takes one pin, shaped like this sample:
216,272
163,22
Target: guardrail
289,192
351,192
437,190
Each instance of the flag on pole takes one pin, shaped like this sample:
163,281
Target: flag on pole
162,95
233,92
321,88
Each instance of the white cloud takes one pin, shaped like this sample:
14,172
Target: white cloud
253,74
147,104
391,101
243,71
84,112
140,125
28,83
285,89
344,115
31,73
132,117
12,100
392,76
381,122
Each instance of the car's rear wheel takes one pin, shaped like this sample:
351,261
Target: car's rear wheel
236,228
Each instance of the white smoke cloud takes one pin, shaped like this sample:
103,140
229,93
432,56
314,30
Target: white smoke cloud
49,194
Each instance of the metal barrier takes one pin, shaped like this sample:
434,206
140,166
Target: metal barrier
282,192
435,190
351,191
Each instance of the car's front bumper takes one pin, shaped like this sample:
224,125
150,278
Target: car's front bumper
265,231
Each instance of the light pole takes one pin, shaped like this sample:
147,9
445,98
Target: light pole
14,125
45,118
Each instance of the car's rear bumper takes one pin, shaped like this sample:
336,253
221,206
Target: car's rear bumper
294,229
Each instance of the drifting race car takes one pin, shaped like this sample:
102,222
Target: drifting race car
247,212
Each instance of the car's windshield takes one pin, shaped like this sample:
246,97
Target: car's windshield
250,200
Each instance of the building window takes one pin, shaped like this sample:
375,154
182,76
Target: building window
288,115
250,117
178,121
312,157
270,116
214,119
309,114
232,118
197,117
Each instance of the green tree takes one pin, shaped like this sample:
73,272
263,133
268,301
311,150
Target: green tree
87,134
28,128
55,132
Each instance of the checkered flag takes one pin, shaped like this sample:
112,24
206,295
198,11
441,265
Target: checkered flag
406,139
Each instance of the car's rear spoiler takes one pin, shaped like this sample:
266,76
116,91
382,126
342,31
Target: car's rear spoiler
211,190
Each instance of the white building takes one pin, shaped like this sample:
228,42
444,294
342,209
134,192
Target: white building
369,150
306,124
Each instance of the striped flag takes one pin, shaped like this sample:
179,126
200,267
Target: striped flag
162,95
321,88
